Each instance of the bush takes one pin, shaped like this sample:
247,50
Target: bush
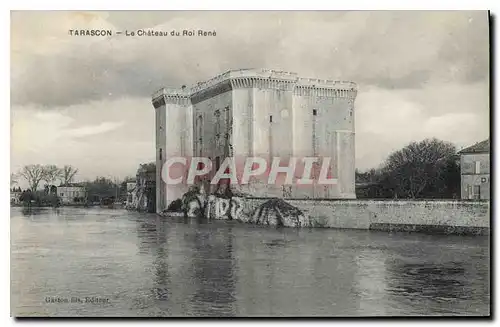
175,206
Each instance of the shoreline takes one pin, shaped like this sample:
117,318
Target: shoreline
389,228
415,216
436,216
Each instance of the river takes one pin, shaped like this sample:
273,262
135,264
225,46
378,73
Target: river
72,262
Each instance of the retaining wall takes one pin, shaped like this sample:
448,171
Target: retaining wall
426,215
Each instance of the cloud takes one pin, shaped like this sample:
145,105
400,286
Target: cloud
42,131
92,130
387,120
70,135
385,49
420,74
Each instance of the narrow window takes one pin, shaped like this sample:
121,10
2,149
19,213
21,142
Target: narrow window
228,118
161,154
271,118
217,163
200,126
477,192
314,132
217,123
478,167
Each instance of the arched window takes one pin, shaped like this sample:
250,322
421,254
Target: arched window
161,154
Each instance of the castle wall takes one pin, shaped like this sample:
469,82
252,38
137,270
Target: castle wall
470,217
262,125
324,127
243,116
161,140
276,122
210,124
269,114
174,138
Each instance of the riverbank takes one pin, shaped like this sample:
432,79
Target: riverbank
427,216
82,206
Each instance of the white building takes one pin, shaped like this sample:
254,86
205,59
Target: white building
72,193
15,197
475,171
263,113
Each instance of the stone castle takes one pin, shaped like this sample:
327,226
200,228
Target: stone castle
264,113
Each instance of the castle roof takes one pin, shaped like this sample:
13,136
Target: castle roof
263,74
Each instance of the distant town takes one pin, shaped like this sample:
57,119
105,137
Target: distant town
52,186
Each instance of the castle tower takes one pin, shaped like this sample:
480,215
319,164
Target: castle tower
261,113
174,138
323,112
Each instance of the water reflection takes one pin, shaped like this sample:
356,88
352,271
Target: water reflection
153,266
436,281
160,262
33,211
442,287
153,233
213,274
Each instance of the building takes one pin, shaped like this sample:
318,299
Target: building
141,193
259,113
72,193
475,171
131,194
15,195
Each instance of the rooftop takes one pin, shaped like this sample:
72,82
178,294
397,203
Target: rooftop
257,73
480,147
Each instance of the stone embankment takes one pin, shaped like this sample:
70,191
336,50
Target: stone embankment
430,216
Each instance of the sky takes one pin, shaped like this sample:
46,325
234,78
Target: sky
86,101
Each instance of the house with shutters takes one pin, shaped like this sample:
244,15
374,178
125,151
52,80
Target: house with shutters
475,171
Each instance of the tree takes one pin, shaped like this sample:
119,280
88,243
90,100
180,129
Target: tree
33,175
100,188
123,185
50,174
369,176
68,174
147,168
26,197
13,179
421,169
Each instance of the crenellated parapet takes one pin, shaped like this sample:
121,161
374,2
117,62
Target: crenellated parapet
170,95
259,79
262,83
211,90
324,92
325,88
243,78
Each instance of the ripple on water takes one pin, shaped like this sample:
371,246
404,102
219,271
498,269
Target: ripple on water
151,266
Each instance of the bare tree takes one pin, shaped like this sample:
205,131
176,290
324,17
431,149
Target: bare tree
13,179
33,175
50,174
68,174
